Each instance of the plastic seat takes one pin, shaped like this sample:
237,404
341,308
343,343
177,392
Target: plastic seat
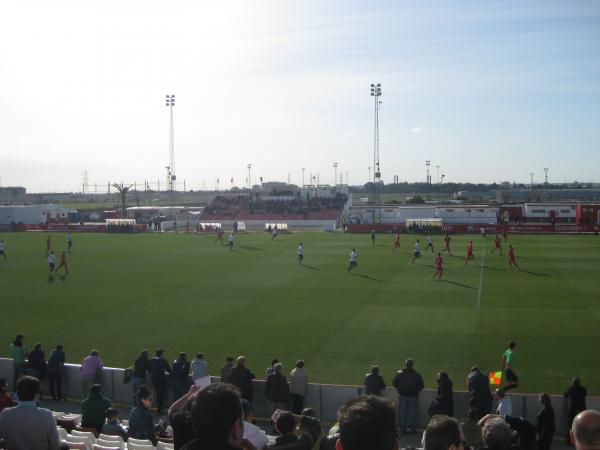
79,441
133,446
111,443
164,446
57,414
110,437
85,433
139,441
102,447
62,433
77,446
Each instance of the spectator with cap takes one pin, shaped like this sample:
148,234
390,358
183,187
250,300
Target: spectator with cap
90,371
242,378
575,397
298,386
277,389
408,383
26,426
93,409
545,423
254,434
585,431
374,383
443,433
367,422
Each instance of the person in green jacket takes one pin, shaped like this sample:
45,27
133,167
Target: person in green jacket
93,409
19,355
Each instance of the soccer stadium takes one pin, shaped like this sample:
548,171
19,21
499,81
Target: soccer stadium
320,296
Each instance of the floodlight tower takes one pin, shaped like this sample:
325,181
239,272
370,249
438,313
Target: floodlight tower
249,167
303,169
428,163
376,93
545,175
369,179
531,175
170,102
335,166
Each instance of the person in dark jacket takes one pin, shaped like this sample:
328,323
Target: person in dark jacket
54,369
36,365
575,396
180,376
141,367
93,409
277,389
226,370
480,396
141,424
287,440
374,383
241,377
408,383
507,433
443,404
545,423
159,368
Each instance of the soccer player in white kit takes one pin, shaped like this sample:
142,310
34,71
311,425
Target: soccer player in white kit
429,243
353,260
2,249
231,239
51,260
69,242
300,253
417,251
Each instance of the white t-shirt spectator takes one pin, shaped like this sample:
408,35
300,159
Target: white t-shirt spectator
504,407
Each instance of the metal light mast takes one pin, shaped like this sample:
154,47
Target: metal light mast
428,163
170,102
303,169
545,175
335,166
249,167
376,93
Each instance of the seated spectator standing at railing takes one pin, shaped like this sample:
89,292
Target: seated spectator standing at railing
36,366
480,396
180,376
374,383
217,419
277,389
408,383
93,409
285,426
25,426
575,397
198,367
443,433
19,354
141,367
181,418
242,378
141,423
368,422
113,425
54,370
226,370
159,368
545,423
90,371
298,386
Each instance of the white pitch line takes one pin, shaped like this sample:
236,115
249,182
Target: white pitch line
481,277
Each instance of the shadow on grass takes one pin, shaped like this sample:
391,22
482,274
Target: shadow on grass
455,283
308,266
494,268
63,277
250,248
367,277
50,278
534,273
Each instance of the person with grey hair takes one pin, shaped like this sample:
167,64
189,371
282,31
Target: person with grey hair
496,434
242,377
408,382
585,431
277,389
508,432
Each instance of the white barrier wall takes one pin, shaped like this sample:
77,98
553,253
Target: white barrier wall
324,398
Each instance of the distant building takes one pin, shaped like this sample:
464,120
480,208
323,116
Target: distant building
33,215
12,195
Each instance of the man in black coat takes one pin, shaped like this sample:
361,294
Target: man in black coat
480,396
575,396
277,389
159,368
242,378
374,383
408,382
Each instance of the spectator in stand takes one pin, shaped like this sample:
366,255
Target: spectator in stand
585,432
180,376
19,354
254,434
480,396
443,404
90,371
242,378
298,386
368,422
545,423
504,403
226,370
443,433
374,383
508,433
159,368
5,399
113,425
141,367
408,383
93,409
141,424
180,416
54,368
471,430
271,368
25,426
287,440
575,396
277,389
217,419
198,367
36,365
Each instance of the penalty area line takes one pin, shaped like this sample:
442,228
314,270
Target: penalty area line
481,266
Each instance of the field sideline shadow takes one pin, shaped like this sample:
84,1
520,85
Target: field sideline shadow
458,284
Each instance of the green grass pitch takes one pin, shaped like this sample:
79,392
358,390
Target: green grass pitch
185,293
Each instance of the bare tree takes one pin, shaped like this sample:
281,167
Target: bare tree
123,190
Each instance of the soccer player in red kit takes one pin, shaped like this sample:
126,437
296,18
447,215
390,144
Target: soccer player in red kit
512,263
497,245
439,267
63,262
396,242
469,253
447,240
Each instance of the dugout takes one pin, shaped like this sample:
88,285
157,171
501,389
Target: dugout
281,227
424,225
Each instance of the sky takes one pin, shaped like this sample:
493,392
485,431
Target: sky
488,91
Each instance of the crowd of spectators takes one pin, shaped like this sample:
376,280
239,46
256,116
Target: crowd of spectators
221,415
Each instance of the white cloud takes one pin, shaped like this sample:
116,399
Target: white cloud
417,129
